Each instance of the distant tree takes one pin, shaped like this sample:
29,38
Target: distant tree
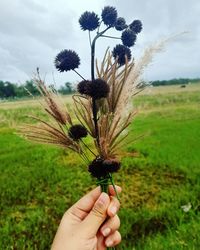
180,81
1,89
30,86
66,89
8,90
20,91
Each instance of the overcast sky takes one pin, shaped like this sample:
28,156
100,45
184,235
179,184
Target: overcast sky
32,32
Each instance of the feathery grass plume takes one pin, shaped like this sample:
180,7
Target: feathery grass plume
134,83
52,103
56,131
47,133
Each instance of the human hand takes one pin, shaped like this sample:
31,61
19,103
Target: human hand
84,225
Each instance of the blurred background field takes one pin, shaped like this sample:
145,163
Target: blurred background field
160,176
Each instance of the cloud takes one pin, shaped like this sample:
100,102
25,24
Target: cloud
163,18
32,32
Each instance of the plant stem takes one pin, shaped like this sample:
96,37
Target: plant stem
94,107
113,37
113,184
79,74
90,39
104,182
88,148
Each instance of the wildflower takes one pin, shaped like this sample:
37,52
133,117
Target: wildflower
136,26
120,24
67,60
121,52
101,168
82,87
109,16
89,21
98,89
77,131
128,38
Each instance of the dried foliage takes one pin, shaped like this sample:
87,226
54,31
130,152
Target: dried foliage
53,132
114,112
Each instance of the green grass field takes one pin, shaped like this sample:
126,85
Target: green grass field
160,174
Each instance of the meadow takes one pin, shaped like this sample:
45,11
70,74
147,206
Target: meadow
160,176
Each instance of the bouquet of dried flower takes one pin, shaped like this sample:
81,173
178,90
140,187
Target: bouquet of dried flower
102,107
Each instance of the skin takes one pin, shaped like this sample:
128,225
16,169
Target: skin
91,223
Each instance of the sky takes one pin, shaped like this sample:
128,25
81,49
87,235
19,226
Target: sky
33,32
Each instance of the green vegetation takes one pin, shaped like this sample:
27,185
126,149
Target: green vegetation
182,81
160,174
10,90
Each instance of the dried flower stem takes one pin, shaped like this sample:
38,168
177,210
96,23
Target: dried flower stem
88,148
94,107
79,74
90,40
113,37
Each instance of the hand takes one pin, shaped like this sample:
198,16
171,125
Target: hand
84,225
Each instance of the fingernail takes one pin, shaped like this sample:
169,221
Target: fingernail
103,198
109,243
106,231
113,210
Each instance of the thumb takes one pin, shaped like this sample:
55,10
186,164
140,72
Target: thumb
91,224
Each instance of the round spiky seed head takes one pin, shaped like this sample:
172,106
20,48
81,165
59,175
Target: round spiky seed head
98,88
121,52
101,168
111,165
89,21
120,24
67,60
109,15
82,87
136,26
76,132
128,38
96,168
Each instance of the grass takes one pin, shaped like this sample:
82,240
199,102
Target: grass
160,174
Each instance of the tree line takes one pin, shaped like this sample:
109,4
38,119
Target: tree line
12,90
179,81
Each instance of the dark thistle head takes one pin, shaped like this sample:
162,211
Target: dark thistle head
98,89
120,24
89,21
121,52
76,132
96,169
136,26
83,87
67,60
109,15
111,165
101,168
128,37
